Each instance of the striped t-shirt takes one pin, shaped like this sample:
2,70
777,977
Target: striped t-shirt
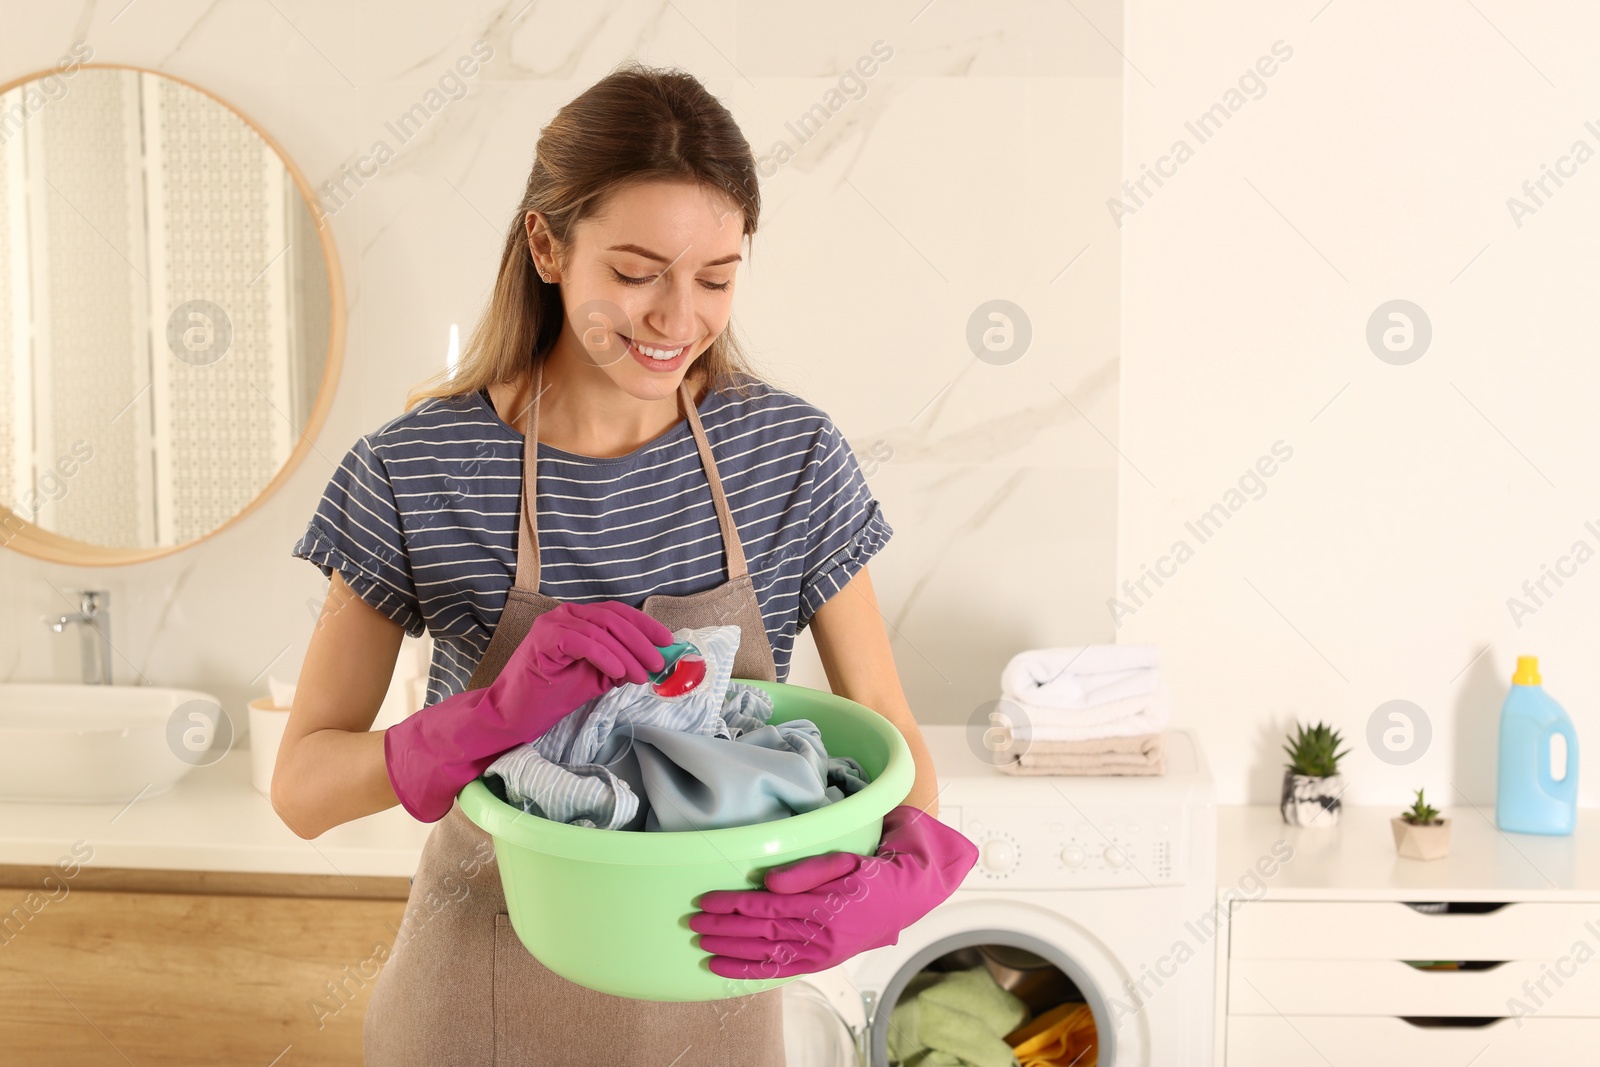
420,519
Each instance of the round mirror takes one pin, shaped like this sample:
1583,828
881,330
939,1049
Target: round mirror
171,315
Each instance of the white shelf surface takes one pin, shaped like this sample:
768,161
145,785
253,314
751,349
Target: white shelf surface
1356,860
213,819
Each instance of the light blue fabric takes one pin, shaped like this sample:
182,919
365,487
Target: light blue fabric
630,760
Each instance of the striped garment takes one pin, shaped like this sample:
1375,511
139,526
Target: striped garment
622,761
420,519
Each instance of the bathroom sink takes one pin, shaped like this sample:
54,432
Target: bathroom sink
99,744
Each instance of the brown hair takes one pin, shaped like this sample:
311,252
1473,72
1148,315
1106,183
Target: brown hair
636,124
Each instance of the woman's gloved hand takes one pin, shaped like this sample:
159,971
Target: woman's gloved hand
820,911
572,654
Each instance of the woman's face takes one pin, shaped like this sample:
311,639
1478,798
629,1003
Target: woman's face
648,284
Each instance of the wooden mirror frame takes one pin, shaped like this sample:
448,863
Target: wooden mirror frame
23,536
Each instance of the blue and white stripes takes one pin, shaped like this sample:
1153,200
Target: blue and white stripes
420,518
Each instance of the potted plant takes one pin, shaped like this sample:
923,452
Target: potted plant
1311,782
1421,833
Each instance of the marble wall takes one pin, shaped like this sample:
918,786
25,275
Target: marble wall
973,168
1434,519
1335,157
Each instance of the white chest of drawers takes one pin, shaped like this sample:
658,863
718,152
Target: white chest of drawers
1348,954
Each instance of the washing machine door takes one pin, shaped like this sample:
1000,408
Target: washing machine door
1070,947
824,1021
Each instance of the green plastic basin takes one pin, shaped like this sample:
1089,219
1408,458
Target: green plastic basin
609,909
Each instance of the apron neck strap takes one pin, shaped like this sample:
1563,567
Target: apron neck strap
528,527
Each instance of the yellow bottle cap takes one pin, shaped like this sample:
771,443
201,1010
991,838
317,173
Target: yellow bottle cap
1527,671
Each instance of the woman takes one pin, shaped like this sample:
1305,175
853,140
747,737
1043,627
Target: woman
602,437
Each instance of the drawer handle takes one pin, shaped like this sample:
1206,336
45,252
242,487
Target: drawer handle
1453,966
1456,1022
1456,907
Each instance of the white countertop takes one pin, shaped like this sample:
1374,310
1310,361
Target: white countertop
214,820
211,820
1356,860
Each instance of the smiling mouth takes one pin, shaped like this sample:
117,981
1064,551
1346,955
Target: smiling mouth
660,355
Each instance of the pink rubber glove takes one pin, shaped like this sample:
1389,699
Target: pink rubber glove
820,911
572,654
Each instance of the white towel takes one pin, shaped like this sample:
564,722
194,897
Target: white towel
1128,717
1081,676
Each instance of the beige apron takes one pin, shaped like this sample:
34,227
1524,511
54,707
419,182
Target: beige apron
458,986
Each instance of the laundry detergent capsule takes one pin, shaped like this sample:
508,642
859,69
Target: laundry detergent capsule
684,671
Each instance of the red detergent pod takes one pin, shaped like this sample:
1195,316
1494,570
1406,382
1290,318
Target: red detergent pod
687,673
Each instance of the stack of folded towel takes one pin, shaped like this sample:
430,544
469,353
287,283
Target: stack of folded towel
1085,710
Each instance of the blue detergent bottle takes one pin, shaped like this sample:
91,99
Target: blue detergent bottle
1530,798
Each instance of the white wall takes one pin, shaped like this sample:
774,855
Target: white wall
972,168
1376,166
1419,498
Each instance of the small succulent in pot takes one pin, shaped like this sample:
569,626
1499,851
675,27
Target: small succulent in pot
1311,782
1421,833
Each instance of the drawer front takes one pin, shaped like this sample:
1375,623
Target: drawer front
1570,988
1357,1041
1385,930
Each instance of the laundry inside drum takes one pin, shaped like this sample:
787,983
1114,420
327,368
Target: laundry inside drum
980,1003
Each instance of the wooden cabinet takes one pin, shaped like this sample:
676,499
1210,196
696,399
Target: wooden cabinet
183,968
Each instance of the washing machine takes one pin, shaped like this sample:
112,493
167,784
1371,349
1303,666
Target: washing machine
1097,890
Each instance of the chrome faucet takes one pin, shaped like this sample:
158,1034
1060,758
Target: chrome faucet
94,613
